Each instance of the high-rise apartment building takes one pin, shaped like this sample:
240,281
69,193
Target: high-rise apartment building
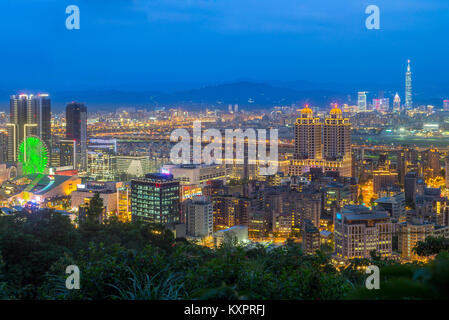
155,199
308,136
322,145
336,136
199,217
76,129
29,115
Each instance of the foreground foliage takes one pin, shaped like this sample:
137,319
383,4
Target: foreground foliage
137,262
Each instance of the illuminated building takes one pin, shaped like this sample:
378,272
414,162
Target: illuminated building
199,217
101,158
133,166
29,115
107,192
38,187
230,211
189,174
3,147
308,136
402,165
431,162
383,179
358,231
361,102
409,234
124,202
327,147
395,205
67,153
397,103
236,234
410,187
446,105
336,136
408,88
76,129
381,104
155,199
311,239
446,162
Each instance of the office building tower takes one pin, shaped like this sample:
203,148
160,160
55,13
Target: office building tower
308,136
67,153
3,147
41,115
361,102
29,115
155,199
397,103
76,129
402,165
336,136
410,187
199,217
408,88
358,231
236,108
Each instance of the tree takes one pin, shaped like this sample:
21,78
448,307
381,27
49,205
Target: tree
94,211
431,246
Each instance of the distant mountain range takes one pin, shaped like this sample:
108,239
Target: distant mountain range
247,94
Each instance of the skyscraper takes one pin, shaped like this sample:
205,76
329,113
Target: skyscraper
397,103
76,129
308,136
336,136
29,115
326,146
361,102
408,88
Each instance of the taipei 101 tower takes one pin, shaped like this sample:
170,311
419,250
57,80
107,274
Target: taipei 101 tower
408,88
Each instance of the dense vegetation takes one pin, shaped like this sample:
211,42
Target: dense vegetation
136,261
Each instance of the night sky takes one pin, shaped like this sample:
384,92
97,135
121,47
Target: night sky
144,44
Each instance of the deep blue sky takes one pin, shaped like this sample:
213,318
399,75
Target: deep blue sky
141,43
